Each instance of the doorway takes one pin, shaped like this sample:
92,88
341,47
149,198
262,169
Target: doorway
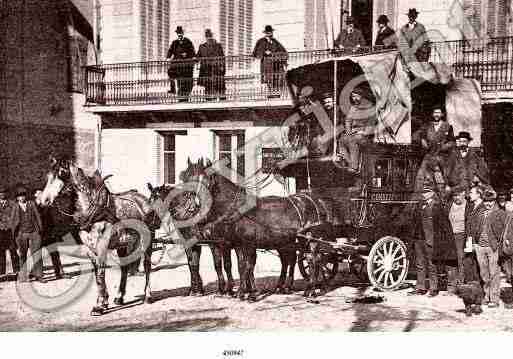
361,11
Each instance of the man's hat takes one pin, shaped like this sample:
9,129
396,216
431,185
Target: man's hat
489,194
383,19
21,191
350,20
412,12
208,33
179,30
268,28
464,134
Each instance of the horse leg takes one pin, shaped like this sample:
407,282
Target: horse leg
283,273
241,261
147,271
122,254
218,265
289,283
227,263
102,301
252,256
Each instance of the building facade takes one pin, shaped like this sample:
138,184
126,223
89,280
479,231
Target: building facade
44,46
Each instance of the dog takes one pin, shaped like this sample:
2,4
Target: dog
472,295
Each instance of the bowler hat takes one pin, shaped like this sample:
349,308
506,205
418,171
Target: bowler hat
208,33
464,134
413,12
350,20
179,30
268,28
383,19
21,191
489,194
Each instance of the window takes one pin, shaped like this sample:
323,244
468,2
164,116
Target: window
169,155
230,146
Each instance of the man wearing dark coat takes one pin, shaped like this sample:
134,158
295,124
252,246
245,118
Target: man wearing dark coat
273,61
429,221
351,38
437,140
181,67
386,38
212,67
485,230
414,42
466,165
27,227
7,242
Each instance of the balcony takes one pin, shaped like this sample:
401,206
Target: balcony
237,81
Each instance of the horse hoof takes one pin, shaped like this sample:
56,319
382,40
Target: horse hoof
119,301
149,300
97,311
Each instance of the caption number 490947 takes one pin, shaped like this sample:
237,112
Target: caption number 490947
233,353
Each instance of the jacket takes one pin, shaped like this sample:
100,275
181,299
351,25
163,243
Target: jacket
441,140
464,169
414,38
359,120
430,221
349,40
209,68
31,208
386,38
179,51
497,219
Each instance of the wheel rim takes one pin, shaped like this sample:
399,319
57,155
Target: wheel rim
388,264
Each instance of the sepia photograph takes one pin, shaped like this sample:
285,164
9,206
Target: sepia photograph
256,166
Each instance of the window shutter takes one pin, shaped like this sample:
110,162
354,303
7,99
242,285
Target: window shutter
157,160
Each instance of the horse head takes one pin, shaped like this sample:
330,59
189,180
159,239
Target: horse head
57,178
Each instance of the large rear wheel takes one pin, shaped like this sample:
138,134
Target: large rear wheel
387,264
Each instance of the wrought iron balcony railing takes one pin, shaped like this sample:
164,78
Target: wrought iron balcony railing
243,78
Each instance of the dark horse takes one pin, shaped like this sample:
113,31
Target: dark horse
267,223
180,207
103,220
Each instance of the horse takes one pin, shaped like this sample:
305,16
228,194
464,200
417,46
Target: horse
221,250
101,217
271,223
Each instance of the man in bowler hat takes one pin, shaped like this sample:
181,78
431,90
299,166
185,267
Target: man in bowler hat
181,68
7,242
414,42
386,38
212,67
27,227
273,61
350,38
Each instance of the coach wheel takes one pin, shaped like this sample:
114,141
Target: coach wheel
387,264
329,266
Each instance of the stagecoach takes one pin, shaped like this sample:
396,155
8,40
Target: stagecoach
373,211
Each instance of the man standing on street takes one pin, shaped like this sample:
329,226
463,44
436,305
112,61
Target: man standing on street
273,61
27,229
181,68
429,221
7,242
485,230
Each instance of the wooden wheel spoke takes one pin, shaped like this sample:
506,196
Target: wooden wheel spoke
380,277
379,269
402,256
395,251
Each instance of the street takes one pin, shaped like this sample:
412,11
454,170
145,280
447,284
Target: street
349,307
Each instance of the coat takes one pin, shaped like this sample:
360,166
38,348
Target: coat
429,219
386,38
464,169
415,38
439,141
181,50
213,67
273,62
350,40
497,221
32,209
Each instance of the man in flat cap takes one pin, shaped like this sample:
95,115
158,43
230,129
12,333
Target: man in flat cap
351,38
212,67
27,226
180,53
467,166
414,42
485,230
273,61
386,38
7,242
